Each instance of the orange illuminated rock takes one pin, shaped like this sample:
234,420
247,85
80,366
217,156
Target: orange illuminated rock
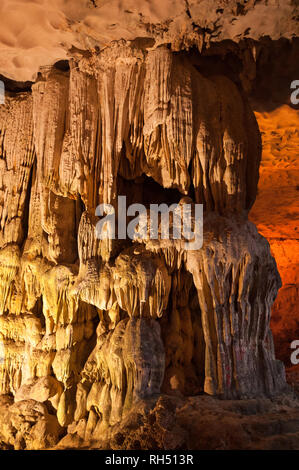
276,214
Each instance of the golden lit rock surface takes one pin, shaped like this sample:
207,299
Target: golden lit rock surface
143,343
91,328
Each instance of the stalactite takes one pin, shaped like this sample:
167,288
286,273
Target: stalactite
96,327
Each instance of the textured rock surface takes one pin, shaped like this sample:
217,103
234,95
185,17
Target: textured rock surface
91,328
120,343
44,33
204,423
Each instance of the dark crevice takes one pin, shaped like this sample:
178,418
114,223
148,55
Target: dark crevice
191,191
154,193
14,86
188,9
62,65
145,190
26,210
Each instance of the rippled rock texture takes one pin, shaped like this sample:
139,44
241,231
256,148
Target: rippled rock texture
92,328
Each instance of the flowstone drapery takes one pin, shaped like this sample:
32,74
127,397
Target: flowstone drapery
90,327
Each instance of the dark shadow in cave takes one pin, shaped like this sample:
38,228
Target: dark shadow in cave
145,190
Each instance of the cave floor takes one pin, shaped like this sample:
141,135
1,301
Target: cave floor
203,422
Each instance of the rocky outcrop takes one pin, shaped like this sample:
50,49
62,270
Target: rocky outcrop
92,328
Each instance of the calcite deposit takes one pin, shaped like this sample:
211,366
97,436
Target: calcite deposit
92,327
121,342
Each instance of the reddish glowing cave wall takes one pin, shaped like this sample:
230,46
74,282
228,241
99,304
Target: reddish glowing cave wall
275,213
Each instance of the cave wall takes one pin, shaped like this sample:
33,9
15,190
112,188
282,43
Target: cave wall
276,210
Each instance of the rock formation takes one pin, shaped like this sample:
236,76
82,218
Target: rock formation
91,328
